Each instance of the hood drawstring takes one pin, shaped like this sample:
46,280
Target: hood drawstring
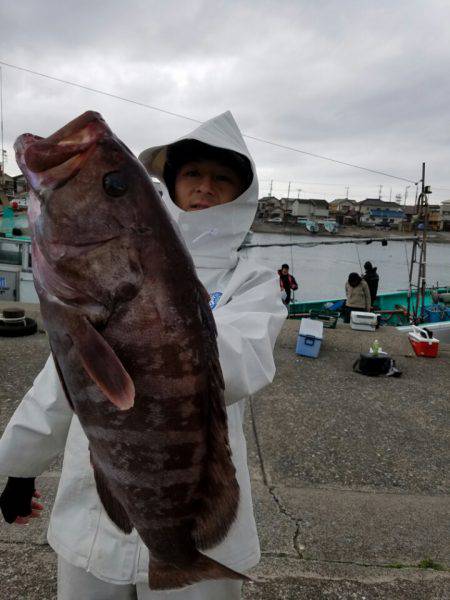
213,232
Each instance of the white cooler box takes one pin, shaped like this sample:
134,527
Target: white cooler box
364,321
309,338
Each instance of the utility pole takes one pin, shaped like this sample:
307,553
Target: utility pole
271,185
347,188
289,189
298,192
390,195
379,192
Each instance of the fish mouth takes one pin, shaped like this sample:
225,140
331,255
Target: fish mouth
48,163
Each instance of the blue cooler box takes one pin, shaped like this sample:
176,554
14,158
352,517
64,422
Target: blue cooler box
310,338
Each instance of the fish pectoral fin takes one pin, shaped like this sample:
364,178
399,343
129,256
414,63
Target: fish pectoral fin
165,576
103,365
113,507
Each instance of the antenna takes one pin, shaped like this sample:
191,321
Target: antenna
406,194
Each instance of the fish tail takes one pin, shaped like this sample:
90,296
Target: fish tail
165,576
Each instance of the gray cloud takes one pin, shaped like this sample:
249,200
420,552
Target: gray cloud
362,82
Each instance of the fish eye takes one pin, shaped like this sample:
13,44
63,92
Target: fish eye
115,184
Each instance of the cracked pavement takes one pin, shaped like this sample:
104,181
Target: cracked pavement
349,473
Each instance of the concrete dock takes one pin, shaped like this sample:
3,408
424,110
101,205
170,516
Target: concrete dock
349,475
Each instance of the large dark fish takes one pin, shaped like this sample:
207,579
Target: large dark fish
134,342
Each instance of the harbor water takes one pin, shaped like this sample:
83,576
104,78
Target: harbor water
321,270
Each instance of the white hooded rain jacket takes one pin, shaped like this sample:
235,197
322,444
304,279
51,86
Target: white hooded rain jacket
249,315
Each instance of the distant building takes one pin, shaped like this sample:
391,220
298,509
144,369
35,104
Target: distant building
311,208
20,185
289,210
12,187
410,212
6,188
445,215
382,216
344,211
373,203
266,206
286,205
434,217
412,219
342,206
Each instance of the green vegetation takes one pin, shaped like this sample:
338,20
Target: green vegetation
428,563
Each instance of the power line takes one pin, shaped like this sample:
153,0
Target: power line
342,184
89,89
339,162
174,114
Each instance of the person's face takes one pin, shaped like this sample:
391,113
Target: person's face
204,183
284,271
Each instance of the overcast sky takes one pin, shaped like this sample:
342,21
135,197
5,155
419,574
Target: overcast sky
360,81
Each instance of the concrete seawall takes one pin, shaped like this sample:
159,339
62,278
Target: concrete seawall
347,231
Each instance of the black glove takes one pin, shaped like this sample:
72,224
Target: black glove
15,500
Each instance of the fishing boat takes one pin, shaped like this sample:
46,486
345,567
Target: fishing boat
330,226
16,275
312,226
392,307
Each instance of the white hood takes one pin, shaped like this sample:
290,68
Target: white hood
214,234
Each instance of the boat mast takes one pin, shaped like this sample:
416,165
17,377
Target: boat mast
2,157
420,243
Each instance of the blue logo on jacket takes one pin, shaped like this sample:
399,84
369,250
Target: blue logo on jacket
214,299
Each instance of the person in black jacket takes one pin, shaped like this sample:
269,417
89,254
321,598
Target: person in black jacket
372,279
287,283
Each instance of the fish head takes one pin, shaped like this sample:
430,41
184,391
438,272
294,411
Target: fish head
87,186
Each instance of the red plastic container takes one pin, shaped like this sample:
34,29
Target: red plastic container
423,346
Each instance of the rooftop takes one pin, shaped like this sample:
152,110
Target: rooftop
386,212
319,203
378,202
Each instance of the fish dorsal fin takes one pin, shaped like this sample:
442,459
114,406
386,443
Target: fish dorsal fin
220,489
102,365
61,379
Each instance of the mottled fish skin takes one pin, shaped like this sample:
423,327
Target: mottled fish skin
134,341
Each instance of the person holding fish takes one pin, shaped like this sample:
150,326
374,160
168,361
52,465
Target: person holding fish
156,344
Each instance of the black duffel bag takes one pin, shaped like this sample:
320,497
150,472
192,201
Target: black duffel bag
376,364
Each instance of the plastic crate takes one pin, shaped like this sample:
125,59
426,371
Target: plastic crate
329,318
